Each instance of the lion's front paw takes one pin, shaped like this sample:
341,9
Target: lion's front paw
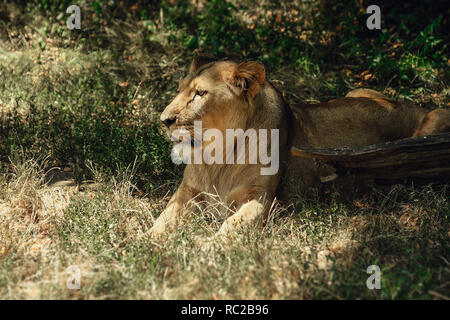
158,230
227,231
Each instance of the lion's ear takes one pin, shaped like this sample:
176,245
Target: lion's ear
200,60
249,76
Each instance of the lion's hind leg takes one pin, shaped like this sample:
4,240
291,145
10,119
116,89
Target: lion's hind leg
434,122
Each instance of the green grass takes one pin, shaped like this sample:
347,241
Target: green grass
89,100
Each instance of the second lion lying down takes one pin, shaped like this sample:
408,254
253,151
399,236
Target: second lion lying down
228,95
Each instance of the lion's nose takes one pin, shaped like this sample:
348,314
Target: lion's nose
168,120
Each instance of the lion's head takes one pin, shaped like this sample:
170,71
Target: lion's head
217,93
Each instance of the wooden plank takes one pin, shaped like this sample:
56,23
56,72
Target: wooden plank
427,156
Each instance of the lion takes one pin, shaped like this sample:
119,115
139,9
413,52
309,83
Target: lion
225,94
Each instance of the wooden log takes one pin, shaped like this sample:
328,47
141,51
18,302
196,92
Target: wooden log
426,157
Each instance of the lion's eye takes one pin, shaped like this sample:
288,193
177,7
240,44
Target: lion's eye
200,93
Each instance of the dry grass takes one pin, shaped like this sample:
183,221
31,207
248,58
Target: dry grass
317,252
